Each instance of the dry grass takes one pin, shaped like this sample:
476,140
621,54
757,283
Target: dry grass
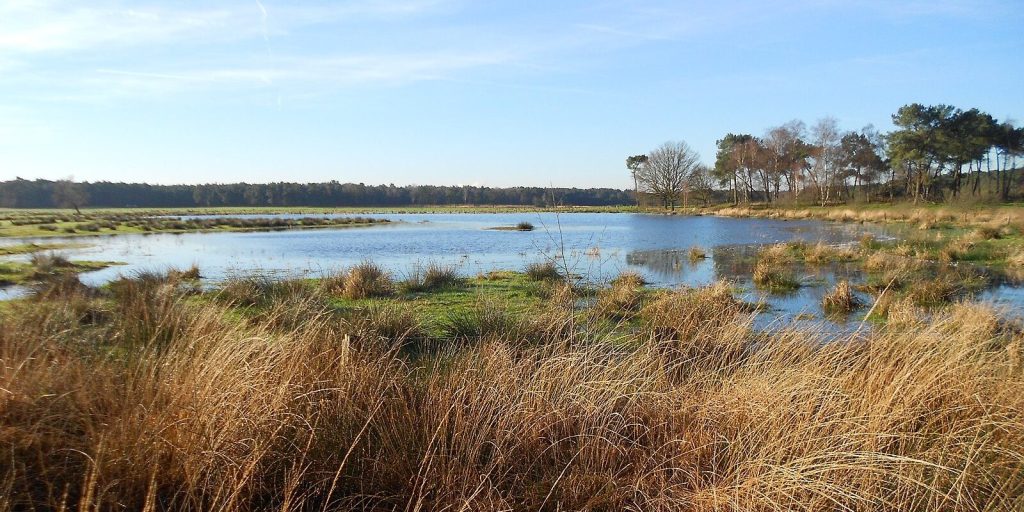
1004,218
772,271
431,278
622,299
696,254
822,253
692,411
366,280
543,271
1016,259
840,300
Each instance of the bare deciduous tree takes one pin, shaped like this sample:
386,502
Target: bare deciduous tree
786,155
68,194
666,171
827,155
701,183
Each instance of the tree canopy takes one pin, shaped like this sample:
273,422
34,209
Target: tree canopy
936,152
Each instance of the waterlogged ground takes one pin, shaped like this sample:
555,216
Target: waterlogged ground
595,247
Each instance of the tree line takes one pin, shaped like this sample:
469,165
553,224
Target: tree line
935,153
20,193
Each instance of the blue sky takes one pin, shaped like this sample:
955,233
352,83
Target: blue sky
466,92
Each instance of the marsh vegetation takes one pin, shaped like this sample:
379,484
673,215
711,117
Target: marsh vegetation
496,392
28,223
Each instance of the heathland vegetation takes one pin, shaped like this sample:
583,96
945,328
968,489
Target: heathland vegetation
41,265
39,223
505,391
537,390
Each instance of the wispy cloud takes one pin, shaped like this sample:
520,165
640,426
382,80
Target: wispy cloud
34,27
112,48
294,76
58,26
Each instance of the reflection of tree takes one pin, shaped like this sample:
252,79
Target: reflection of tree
665,262
734,262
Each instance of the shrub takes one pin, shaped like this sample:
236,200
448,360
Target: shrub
524,226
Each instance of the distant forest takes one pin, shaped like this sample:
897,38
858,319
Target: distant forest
936,153
20,193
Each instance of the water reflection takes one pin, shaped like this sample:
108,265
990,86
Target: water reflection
735,263
595,246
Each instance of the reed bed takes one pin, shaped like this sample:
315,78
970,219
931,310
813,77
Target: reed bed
149,396
1000,218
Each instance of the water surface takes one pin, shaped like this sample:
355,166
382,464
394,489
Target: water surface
595,246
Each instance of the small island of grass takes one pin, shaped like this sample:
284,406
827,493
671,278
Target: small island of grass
522,226
44,266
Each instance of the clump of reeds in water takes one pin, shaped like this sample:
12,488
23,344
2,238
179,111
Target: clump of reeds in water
820,253
772,270
155,401
48,263
696,254
840,299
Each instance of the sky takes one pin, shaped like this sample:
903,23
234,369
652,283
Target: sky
466,92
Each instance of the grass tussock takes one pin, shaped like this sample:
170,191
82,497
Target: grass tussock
821,253
366,280
840,299
165,401
433,277
543,271
696,254
772,271
622,299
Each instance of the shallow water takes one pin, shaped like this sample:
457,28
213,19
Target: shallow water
595,246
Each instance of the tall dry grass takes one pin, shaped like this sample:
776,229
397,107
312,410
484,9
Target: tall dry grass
1004,219
693,410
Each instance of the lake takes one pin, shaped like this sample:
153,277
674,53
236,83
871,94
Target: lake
595,246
